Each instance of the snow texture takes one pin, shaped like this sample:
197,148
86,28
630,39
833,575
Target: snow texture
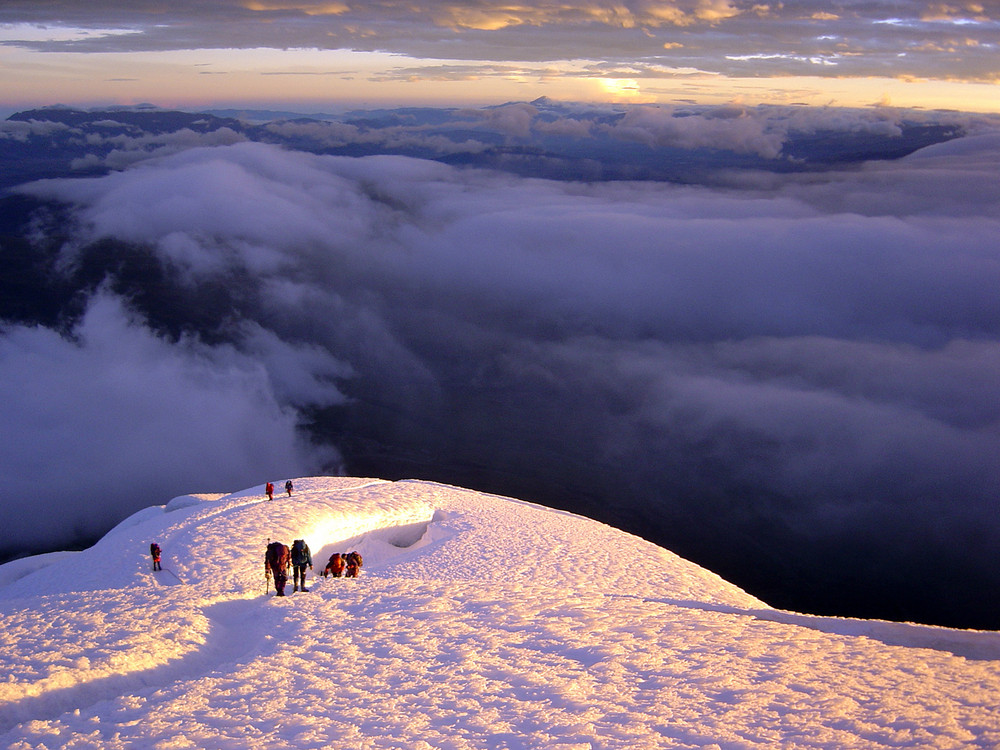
477,622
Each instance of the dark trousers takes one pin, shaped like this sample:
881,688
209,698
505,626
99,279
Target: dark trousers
280,577
299,575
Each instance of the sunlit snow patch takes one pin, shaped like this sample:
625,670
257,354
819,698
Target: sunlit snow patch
391,543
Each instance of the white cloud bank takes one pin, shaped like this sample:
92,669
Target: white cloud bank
112,416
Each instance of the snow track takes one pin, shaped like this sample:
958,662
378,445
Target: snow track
233,632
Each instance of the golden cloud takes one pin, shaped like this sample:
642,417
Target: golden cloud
714,11
950,12
484,19
309,9
711,11
646,13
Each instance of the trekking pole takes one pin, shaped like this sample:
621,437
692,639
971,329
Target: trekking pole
267,573
168,570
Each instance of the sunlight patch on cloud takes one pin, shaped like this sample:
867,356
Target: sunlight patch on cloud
495,17
714,11
309,9
626,88
486,19
962,14
502,16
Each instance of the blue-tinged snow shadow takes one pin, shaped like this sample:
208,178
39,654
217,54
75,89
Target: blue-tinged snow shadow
978,645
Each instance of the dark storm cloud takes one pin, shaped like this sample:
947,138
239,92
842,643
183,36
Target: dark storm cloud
807,361
736,37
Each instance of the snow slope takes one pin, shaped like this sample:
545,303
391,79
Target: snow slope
478,622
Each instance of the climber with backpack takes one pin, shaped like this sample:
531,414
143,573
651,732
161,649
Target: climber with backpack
154,551
276,561
334,566
354,563
300,558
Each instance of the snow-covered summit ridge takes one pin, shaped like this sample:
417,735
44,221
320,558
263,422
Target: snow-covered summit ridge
409,529
478,622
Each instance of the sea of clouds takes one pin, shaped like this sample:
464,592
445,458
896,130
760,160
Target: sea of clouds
801,364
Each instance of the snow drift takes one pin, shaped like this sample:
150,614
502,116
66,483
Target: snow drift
478,622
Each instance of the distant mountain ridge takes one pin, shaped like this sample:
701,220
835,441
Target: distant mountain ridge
539,139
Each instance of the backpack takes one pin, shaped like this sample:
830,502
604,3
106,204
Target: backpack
154,549
300,552
277,555
356,558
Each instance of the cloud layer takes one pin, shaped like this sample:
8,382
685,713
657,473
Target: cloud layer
803,364
544,138
113,416
636,39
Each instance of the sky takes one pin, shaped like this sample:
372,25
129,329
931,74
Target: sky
318,55
477,621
